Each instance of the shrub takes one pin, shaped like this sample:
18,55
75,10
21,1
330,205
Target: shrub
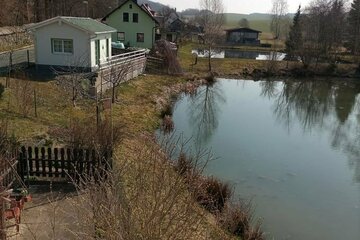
184,165
237,219
167,124
23,93
2,90
213,194
167,110
331,68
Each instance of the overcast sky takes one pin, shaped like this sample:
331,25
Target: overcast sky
236,6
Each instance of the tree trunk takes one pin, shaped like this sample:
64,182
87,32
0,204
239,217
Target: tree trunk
209,59
113,94
74,96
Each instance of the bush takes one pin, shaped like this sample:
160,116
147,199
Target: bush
214,194
167,110
2,90
184,165
167,124
237,219
331,68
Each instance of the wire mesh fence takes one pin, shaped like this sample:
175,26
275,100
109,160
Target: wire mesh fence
16,60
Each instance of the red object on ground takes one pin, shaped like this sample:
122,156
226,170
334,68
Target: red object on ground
14,212
28,198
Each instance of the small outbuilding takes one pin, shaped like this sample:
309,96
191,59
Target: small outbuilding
242,36
71,41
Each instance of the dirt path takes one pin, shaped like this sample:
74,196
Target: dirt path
50,215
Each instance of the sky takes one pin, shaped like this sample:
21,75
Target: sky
236,6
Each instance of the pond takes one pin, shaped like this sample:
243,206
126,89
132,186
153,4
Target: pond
293,148
233,53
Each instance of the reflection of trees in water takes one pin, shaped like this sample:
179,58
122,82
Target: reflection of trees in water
345,97
308,101
346,136
269,89
324,105
204,110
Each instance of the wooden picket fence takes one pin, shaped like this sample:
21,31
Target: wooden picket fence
60,164
154,64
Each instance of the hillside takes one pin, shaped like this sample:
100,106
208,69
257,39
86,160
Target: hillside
258,21
154,5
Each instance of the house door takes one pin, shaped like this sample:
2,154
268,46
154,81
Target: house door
97,52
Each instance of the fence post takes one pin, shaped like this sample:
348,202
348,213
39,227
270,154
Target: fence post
7,83
49,162
10,61
20,165
35,105
28,57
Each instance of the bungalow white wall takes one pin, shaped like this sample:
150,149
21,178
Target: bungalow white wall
105,48
83,46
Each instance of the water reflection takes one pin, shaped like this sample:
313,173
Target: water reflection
233,53
204,111
292,146
317,104
308,101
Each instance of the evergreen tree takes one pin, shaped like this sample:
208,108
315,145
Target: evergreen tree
354,27
294,40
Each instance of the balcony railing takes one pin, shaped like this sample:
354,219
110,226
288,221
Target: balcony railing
125,57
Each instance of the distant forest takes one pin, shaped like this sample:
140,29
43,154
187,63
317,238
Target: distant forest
20,12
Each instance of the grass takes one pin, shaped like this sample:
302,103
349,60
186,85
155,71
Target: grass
53,110
223,67
136,110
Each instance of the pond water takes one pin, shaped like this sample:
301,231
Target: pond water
233,53
291,147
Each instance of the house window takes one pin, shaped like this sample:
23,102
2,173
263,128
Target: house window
121,36
130,6
140,37
62,46
126,17
135,17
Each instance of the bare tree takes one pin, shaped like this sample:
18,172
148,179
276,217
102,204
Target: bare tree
116,75
278,21
28,11
354,27
23,94
212,20
322,25
244,23
74,78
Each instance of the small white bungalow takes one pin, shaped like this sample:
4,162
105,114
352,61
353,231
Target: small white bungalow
71,41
